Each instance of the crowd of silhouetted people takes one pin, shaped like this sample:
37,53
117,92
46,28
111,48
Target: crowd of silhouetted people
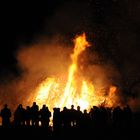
98,117
99,121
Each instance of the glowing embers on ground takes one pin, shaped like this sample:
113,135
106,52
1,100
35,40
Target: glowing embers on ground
76,90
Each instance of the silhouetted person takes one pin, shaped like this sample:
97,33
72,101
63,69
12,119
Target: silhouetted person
127,116
86,121
5,114
117,117
96,117
35,114
19,116
28,116
65,119
78,117
72,115
57,120
103,117
91,114
45,115
109,117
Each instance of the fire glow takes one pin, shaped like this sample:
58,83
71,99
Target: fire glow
74,89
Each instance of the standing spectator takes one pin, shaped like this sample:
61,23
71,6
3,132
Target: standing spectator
5,114
35,114
45,115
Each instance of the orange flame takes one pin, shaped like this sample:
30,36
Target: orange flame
80,46
76,90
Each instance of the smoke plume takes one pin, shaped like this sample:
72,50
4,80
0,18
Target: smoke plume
51,58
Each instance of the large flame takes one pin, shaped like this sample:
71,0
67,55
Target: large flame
76,90
70,92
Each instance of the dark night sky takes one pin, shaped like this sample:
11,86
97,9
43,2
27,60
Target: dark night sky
114,23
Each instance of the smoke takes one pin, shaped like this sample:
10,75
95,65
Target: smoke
51,58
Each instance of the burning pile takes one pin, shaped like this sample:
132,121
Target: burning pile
74,88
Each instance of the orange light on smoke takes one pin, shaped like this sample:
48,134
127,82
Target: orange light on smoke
77,90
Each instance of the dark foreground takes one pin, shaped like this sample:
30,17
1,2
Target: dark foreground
92,134
99,123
